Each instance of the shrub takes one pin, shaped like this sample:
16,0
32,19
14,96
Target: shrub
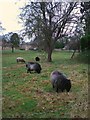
85,43
59,45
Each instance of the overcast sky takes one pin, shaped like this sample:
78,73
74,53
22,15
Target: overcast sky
9,11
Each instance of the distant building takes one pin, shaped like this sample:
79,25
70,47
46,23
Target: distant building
4,45
28,46
67,47
24,46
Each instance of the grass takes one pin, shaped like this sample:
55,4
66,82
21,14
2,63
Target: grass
31,95
84,57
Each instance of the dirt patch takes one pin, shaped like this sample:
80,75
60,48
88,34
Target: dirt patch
51,101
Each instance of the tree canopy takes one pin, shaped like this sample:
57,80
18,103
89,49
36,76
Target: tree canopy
14,40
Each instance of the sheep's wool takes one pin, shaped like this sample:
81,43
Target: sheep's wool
20,58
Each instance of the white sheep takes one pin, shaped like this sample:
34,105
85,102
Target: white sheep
20,59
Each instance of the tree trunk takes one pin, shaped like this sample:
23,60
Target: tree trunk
73,54
49,59
12,49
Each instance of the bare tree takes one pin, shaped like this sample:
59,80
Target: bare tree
46,21
85,10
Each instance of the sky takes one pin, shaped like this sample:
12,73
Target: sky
9,11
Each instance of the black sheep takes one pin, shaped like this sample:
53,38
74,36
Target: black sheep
37,59
60,82
33,66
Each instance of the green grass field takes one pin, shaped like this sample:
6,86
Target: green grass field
28,95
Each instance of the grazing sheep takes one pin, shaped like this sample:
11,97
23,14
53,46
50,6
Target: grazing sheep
33,66
60,82
20,59
37,59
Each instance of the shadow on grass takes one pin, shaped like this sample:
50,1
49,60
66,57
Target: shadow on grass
83,57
